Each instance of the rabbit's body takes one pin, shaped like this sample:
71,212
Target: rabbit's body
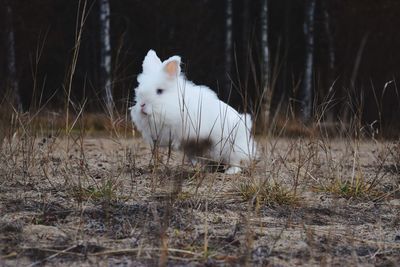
172,111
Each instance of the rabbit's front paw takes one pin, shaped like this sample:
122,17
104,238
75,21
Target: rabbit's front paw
233,170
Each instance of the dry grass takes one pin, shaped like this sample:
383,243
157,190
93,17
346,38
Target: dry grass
266,193
86,199
77,189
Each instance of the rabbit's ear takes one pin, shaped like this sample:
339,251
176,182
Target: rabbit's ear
172,66
151,61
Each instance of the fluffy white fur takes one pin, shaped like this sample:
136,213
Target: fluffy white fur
171,110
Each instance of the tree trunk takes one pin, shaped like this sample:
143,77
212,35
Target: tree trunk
351,92
266,92
13,83
307,95
105,51
245,46
331,47
228,49
331,58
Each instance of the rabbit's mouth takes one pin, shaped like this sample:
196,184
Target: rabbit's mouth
142,110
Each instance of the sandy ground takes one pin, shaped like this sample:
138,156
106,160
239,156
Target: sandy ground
109,202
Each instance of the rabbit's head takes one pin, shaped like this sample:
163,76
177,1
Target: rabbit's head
157,90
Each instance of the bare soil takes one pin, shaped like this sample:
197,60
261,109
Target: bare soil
112,202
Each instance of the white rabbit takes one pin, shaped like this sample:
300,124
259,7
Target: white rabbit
172,111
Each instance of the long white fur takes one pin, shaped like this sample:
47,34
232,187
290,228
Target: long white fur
185,111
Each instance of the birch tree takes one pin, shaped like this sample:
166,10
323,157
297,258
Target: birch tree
266,92
105,55
228,48
307,95
11,60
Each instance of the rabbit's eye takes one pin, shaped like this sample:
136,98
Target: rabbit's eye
160,91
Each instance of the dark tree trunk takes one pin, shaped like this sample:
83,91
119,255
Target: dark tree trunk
329,35
13,83
245,46
331,57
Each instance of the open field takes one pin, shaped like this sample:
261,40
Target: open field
110,202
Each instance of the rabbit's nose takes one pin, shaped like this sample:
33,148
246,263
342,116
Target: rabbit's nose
142,105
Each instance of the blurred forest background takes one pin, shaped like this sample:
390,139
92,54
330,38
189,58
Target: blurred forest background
329,61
